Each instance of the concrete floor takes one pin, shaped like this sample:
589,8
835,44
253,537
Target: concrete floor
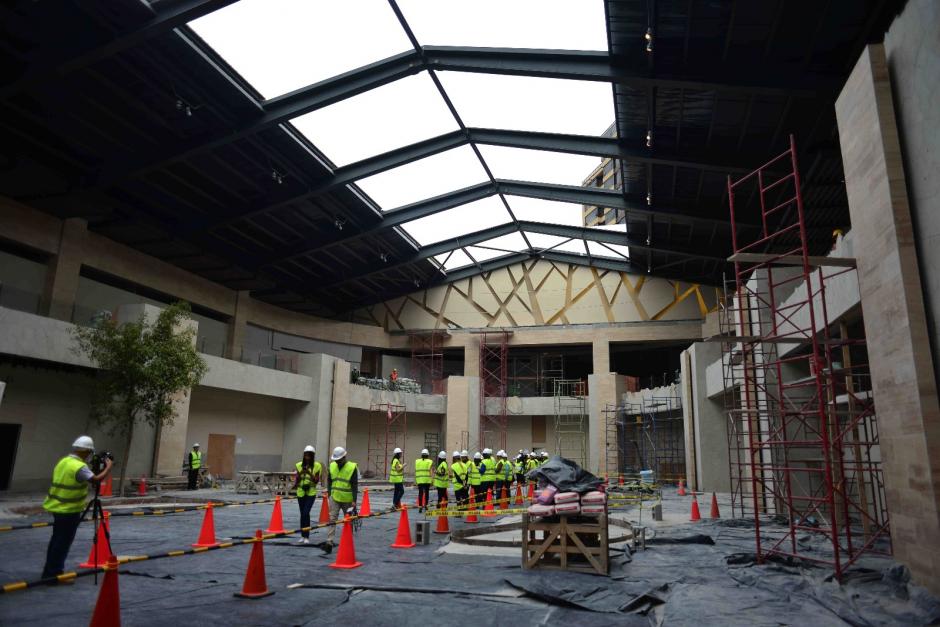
443,583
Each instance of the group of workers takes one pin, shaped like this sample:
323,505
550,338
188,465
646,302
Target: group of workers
483,473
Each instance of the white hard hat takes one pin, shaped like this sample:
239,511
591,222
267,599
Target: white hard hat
84,442
338,453
195,444
396,451
463,453
477,455
442,455
487,451
501,453
309,449
424,451
456,454
544,453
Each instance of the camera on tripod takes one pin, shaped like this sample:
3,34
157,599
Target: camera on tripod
97,461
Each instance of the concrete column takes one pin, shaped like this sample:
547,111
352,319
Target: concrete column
603,390
471,358
902,367
58,295
339,407
236,325
707,464
601,354
688,417
310,422
463,411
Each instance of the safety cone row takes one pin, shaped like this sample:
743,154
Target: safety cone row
277,520
101,547
519,500
346,554
681,491
324,509
207,533
403,537
142,487
443,526
108,607
531,493
714,512
695,515
504,499
366,509
472,516
256,584
107,486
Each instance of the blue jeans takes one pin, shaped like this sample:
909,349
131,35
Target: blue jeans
306,504
64,527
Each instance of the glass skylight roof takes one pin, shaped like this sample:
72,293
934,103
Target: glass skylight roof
454,259
551,211
538,166
426,178
513,243
281,45
540,240
379,120
528,103
519,24
615,251
474,216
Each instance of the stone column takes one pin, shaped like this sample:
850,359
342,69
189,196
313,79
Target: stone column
310,422
471,357
601,354
603,390
902,368
236,325
339,407
463,411
58,295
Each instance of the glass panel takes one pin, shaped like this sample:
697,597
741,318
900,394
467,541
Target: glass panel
457,260
388,117
531,104
474,216
485,254
279,46
558,24
575,246
539,240
539,166
433,176
550,211
513,243
604,250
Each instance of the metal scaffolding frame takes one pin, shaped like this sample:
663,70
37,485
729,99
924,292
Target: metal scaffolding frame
802,431
533,373
388,427
649,435
571,419
427,359
494,421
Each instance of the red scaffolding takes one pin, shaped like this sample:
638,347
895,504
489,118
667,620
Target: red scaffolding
387,429
427,359
802,431
494,371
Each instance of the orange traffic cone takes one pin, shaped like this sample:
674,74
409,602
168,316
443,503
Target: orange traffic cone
681,491
346,556
443,526
472,516
488,506
695,514
101,548
504,499
531,493
142,486
620,480
107,487
366,506
207,533
277,520
324,509
519,500
714,512
256,585
108,608
403,538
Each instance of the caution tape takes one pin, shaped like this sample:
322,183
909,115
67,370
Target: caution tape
475,512
23,585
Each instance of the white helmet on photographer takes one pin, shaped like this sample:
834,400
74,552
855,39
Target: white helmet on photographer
84,443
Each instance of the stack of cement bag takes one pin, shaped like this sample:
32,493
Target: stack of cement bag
566,488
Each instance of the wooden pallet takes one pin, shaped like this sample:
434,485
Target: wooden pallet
575,543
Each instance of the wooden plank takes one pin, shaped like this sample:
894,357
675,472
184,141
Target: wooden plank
793,260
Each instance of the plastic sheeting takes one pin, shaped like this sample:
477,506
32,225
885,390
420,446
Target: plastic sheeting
566,475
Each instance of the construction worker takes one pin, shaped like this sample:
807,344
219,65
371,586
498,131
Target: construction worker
500,473
343,487
507,471
519,467
531,465
423,478
393,379
306,479
193,464
441,479
488,471
458,478
396,476
66,501
545,457
474,477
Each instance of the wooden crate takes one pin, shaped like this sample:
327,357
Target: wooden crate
575,542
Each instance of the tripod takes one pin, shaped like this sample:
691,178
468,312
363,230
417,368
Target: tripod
97,516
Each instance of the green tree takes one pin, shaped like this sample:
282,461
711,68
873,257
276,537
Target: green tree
145,368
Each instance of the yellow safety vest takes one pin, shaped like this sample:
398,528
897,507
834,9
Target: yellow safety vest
458,471
396,473
519,467
489,469
507,470
440,475
307,485
531,465
423,471
341,482
474,475
195,460
66,494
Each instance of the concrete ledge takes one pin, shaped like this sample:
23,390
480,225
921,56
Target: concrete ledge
361,397
226,374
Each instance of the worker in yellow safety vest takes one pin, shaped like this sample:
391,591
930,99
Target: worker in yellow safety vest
423,478
544,458
518,467
441,478
193,464
66,500
306,479
458,477
343,487
396,476
475,478
488,472
530,465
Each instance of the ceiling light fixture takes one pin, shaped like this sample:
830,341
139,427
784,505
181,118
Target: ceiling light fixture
383,257
649,38
182,105
339,223
649,198
277,177
649,138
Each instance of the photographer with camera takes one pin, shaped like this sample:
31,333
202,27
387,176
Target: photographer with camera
66,498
